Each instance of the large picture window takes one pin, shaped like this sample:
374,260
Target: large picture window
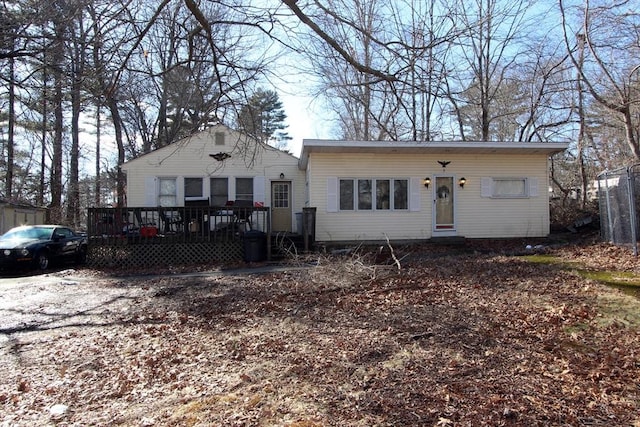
367,194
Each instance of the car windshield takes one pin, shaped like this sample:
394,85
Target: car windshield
40,233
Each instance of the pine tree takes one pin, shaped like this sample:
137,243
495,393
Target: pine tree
263,118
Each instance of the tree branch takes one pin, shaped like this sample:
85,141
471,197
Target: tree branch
291,4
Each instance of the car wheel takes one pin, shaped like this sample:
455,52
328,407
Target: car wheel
42,261
81,257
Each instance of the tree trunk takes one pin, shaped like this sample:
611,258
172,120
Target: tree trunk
97,198
56,160
117,125
43,147
73,194
11,130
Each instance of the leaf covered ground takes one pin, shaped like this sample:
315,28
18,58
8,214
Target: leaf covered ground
437,336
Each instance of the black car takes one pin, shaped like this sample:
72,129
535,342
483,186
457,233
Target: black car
38,246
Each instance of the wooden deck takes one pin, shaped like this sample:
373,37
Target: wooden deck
136,236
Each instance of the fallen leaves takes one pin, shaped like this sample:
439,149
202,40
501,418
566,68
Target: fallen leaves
471,337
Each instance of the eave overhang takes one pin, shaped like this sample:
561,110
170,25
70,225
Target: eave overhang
310,146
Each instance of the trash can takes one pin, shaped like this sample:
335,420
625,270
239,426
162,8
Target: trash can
255,246
299,223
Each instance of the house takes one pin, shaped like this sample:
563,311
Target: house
218,167
368,191
15,214
362,191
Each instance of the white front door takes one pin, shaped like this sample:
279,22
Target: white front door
443,205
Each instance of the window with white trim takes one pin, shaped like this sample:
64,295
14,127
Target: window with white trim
346,194
373,194
219,191
167,192
365,197
244,189
509,187
193,188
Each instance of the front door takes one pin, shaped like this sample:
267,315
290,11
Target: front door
443,205
281,206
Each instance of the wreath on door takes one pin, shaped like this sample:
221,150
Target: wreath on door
443,192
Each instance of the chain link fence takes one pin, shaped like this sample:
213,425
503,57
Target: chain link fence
618,192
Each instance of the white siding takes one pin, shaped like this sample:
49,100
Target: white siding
476,216
191,158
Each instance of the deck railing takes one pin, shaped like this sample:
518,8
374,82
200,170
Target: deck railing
141,236
174,224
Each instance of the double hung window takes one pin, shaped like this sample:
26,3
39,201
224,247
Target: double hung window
167,192
369,194
219,195
193,188
244,189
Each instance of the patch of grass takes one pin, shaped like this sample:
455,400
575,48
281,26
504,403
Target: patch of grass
618,309
613,278
613,308
543,259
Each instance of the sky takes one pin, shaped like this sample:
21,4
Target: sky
306,120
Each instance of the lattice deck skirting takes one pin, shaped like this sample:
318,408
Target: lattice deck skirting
177,253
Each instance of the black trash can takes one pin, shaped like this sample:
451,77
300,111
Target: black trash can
255,246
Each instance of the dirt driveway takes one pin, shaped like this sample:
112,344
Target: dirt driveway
463,339
63,298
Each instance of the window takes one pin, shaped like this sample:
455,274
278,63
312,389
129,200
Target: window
192,187
167,192
280,195
219,191
244,189
364,194
400,194
219,138
346,194
383,201
389,194
64,232
508,188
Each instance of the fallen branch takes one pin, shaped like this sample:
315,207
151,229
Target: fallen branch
393,255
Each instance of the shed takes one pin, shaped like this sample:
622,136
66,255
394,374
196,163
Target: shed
13,214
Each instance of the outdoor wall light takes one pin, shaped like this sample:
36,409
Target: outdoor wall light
462,182
427,181
281,175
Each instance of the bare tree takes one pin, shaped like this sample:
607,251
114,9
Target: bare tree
603,46
488,51
380,71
